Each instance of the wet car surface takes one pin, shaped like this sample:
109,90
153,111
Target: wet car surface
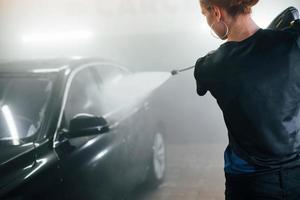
76,129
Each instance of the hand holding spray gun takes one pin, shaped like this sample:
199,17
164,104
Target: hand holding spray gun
288,18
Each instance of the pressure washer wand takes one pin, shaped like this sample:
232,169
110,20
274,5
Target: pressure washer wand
175,72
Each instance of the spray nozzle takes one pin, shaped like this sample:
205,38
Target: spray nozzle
175,72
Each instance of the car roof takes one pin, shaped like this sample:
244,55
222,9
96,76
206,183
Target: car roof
49,65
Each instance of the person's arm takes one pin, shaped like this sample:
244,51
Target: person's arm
201,86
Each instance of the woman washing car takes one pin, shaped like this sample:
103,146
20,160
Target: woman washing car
255,78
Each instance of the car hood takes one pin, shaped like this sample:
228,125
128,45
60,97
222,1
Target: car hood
14,160
9,152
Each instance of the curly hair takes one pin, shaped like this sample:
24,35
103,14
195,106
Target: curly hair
233,7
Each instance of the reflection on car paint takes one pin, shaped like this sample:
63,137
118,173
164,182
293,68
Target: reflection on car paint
40,163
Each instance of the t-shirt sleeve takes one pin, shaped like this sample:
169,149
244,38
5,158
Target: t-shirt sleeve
200,83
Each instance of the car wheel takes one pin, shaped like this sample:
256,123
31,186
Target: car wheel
157,168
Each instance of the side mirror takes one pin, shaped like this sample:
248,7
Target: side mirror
87,125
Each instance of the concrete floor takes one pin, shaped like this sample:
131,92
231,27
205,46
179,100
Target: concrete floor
194,172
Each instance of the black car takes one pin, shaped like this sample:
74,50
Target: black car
75,129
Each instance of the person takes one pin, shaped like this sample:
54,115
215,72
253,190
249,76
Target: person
255,78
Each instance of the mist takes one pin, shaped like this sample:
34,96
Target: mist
148,35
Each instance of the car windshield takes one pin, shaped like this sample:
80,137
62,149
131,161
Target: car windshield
23,101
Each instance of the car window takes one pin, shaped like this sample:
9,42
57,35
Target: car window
108,80
110,73
23,101
83,97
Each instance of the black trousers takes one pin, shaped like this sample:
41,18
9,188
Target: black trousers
279,185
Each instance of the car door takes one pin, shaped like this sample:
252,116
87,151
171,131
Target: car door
117,86
92,167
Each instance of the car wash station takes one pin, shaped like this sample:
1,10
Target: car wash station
98,99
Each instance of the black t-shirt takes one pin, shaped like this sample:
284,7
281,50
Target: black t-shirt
256,83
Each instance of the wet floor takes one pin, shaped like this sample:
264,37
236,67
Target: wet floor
194,172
